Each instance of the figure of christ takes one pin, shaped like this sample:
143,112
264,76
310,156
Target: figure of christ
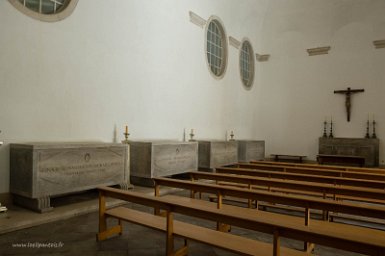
348,103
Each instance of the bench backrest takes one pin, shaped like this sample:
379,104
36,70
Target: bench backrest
378,184
315,171
324,166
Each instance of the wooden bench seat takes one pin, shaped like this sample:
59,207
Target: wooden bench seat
227,241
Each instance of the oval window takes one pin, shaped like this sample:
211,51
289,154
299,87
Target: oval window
246,64
216,47
45,10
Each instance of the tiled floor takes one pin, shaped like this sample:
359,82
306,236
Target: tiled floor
70,232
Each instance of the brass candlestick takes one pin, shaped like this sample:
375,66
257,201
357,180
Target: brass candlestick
374,136
325,134
367,136
331,129
126,134
232,135
192,135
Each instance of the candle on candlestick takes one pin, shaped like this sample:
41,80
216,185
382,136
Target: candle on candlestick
126,129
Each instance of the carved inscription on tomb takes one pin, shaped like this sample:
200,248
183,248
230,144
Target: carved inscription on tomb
169,160
60,170
162,158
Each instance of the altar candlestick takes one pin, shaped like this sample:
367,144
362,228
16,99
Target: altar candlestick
374,136
367,136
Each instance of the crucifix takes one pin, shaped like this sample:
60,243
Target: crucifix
348,93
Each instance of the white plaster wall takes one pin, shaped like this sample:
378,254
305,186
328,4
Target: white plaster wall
297,90
115,63
142,64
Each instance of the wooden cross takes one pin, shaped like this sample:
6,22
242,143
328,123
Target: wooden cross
348,104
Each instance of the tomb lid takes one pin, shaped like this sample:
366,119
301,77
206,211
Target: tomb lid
41,145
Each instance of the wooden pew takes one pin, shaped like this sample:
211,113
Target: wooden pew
333,235
323,190
299,201
340,181
172,228
314,171
294,188
324,166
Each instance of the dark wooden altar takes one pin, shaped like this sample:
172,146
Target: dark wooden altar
367,148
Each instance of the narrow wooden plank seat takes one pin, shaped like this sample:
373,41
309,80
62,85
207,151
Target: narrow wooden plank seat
227,241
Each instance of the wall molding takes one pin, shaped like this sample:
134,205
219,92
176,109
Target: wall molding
262,57
197,20
234,42
378,44
318,50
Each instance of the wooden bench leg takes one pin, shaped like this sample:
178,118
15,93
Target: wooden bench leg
249,201
104,233
307,247
221,226
276,244
169,234
156,193
170,238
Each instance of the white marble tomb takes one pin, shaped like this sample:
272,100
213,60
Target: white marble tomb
249,150
159,158
216,153
43,170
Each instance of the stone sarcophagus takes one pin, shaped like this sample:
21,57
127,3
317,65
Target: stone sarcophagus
43,170
215,153
157,158
249,150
